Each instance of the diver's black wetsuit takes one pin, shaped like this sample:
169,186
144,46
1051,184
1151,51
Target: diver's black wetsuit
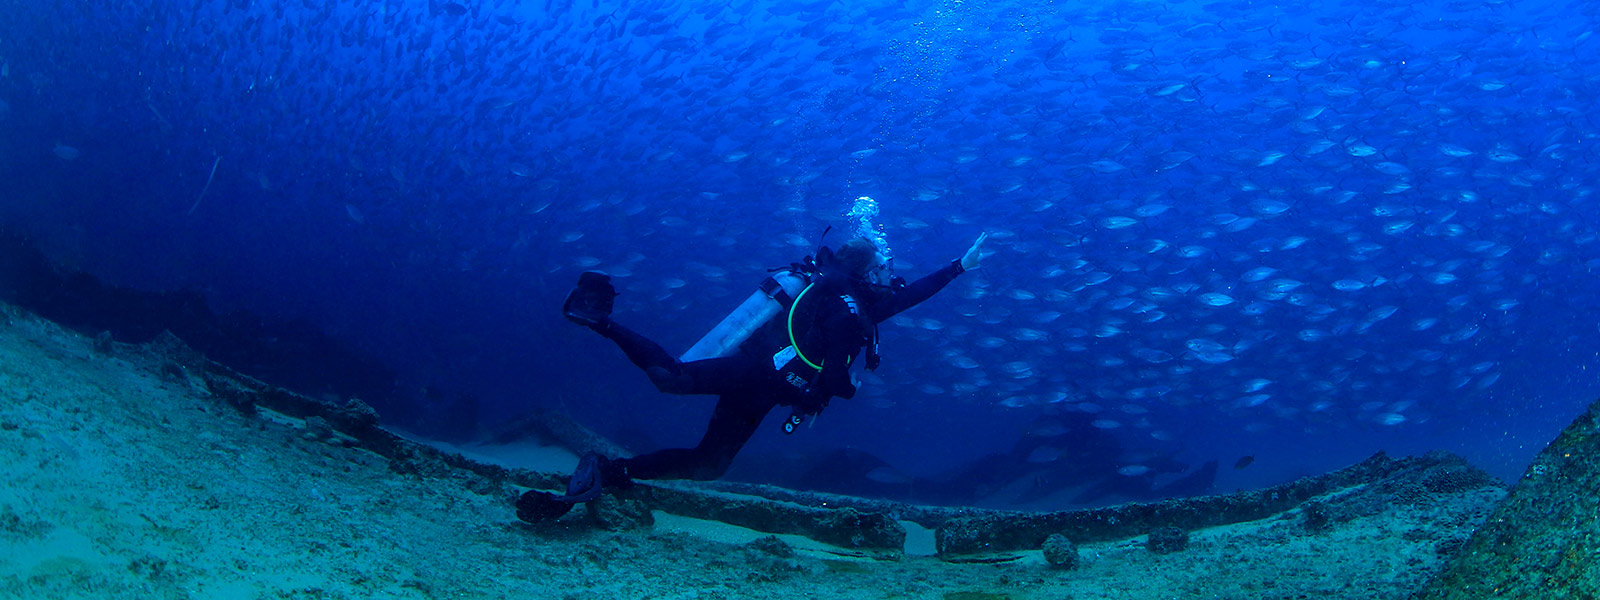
747,383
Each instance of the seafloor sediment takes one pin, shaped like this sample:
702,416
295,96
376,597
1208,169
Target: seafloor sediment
128,476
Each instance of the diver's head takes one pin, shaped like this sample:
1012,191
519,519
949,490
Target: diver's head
857,257
860,258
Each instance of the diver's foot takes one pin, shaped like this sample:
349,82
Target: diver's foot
536,507
587,478
590,303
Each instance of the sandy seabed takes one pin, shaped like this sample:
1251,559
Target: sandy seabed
126,479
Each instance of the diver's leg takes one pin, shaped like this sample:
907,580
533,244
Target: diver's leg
589,305
642,351
733,421
727,375
722,375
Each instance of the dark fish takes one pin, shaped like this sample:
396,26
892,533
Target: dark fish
1244,461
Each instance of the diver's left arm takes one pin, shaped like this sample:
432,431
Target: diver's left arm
930,284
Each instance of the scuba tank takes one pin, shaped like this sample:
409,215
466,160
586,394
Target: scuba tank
777,294
777,291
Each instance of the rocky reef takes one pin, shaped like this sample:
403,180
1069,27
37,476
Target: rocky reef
1543,541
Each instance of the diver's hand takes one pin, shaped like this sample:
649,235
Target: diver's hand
813,401
969,261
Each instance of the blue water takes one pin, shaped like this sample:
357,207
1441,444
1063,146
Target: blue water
1218,229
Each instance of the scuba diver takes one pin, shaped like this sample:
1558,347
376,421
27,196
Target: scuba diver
791,343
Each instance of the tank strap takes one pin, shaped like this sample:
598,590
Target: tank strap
775,291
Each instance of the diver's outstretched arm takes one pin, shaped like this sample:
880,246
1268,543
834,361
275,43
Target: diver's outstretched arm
929,284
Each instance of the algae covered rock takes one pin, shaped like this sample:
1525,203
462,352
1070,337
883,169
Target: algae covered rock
356,415
770,559
1543,541
317,429
771,545
1167,540
966,535
850,528
619,512
1060,551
